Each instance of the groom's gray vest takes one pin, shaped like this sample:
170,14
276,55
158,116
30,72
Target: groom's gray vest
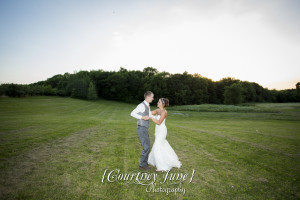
142,122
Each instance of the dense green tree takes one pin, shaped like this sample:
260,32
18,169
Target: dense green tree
179,92
92,92
3,89
150,71
158,85
259,90
298,91
199,89
99,78
54,80
248,91
78,87
49,91
116,86
212,91
233,94
220,87
16,90
135,87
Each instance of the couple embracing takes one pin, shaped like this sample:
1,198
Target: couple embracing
162,156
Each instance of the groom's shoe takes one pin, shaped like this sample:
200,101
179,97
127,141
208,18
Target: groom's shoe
145,168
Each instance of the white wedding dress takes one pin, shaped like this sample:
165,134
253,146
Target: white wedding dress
162,155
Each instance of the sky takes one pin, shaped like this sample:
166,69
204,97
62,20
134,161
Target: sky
251,40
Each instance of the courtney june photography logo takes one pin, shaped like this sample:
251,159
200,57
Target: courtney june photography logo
167,182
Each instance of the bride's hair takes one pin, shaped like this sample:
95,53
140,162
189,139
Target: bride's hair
165,101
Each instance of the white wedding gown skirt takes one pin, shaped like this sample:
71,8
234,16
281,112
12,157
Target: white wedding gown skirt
162,155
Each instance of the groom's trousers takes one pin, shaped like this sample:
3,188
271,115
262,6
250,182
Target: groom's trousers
144,138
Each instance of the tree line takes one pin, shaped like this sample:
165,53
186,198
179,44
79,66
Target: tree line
129,86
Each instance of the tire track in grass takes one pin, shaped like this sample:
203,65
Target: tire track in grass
205,175
196,148
72,111
15,131
66,154
228,170
201,180
242,141
115,159
287,145
128,162
257,132
125,166
115,155
112,117
276,174
284,146
23,141
22,166
132,148
231,152
32,138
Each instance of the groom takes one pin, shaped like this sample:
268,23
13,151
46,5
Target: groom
142,113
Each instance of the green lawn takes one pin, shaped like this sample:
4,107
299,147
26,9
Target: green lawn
59,148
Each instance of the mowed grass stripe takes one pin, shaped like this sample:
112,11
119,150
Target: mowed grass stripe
239,168
45,157
250,155
235,147
237,139
73,155
53,125
213,173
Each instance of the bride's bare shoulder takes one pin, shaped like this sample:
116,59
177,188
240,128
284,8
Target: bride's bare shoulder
154,112
158,112
164,112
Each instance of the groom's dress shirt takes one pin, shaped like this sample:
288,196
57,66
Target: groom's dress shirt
140,109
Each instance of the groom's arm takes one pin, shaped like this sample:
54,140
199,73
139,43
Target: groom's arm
150,114
139,109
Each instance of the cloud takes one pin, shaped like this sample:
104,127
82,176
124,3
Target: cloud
282,16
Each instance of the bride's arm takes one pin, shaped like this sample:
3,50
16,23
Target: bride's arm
162,117
154,112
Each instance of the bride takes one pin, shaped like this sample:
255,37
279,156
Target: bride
162,155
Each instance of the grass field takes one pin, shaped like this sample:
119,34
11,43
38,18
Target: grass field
59,148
